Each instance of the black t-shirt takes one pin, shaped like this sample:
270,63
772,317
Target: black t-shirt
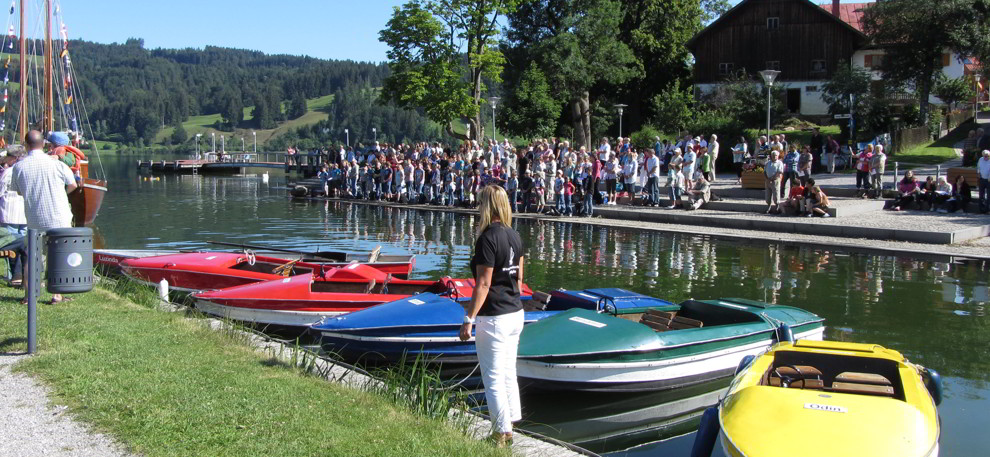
501,248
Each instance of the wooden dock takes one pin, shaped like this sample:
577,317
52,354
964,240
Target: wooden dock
236,164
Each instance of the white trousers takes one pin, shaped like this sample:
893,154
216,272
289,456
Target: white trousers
497,339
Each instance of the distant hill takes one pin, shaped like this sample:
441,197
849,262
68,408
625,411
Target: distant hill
138,97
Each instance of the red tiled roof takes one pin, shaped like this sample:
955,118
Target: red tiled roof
850,13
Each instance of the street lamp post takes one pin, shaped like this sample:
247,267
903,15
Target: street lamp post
976,101
197,145
374,130
494,102
621,107
213,135
768,77
347,137
223,143
243,148
255,135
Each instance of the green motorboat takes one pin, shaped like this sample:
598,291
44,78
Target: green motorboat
657,348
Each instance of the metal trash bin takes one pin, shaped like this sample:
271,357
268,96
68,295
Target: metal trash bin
70,260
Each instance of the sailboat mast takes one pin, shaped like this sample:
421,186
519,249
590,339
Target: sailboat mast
48,118
22,117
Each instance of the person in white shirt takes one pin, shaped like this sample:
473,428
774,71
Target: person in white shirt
630,175
45,183
604,150
713,148
983,168
739,153
653,178
12,218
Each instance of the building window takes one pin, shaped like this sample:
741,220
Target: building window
873,60
818,66
946,59
773,23
726,68
773,65
811,88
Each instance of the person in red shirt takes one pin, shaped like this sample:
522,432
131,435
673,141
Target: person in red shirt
568,193
863,170
792,206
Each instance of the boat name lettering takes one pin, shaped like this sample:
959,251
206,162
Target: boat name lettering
829,408
112,260
416,302
211,257
590,322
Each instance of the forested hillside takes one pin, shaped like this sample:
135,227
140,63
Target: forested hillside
132,94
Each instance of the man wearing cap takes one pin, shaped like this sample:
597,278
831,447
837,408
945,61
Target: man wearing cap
45,185
983,167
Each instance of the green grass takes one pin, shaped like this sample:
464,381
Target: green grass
317,110
938,151
163,385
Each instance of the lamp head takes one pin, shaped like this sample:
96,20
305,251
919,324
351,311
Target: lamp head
977,77
769,76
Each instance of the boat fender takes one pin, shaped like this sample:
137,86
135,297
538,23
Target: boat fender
933,381
784,333
704,440
744,363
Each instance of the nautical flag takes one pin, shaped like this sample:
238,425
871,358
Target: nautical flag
5,95
65,52
3,109
7,63
68,101
65,33
12,6
6,77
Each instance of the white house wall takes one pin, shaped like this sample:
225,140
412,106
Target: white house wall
811,101
955,69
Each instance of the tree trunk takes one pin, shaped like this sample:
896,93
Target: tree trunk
924,92
581,120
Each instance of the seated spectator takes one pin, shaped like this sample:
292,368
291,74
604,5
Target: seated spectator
908,191
928,192
940,194
962,195
794,205
815,201
700,193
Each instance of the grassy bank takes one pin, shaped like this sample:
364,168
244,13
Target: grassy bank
163,385
938,151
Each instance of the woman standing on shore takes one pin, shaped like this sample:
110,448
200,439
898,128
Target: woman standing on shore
497,266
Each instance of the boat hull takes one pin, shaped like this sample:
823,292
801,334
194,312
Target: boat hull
829,398
195,271
661,373
86,201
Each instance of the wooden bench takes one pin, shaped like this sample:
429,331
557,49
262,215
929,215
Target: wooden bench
662,321
862,389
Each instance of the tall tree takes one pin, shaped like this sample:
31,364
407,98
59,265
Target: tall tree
576,44
533,112
916,34
297,107
440,51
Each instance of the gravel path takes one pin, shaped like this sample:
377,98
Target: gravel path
30,426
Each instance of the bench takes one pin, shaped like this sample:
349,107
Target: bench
662,321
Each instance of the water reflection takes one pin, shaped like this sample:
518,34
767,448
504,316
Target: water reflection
934,312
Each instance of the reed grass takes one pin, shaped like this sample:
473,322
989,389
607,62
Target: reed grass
164,385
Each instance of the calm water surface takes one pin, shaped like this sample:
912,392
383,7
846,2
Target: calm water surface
933,312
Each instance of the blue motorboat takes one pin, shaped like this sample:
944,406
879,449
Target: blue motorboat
427,325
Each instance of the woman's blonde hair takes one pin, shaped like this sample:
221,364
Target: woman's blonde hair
493,204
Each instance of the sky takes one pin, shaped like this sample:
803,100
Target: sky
329,29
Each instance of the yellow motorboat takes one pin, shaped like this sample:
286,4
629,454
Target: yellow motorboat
827,398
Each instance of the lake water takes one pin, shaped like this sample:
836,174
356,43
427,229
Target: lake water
933,312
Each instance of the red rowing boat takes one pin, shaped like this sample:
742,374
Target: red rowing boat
194,271
303,300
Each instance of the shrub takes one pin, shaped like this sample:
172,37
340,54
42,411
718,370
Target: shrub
646,137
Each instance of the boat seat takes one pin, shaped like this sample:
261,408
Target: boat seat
662,321
801,377
862,389
863,378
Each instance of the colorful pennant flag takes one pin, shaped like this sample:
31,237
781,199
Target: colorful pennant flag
68,101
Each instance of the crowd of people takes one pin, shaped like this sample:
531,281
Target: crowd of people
550,176
547,176
35,180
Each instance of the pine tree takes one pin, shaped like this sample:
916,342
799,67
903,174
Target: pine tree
179,135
